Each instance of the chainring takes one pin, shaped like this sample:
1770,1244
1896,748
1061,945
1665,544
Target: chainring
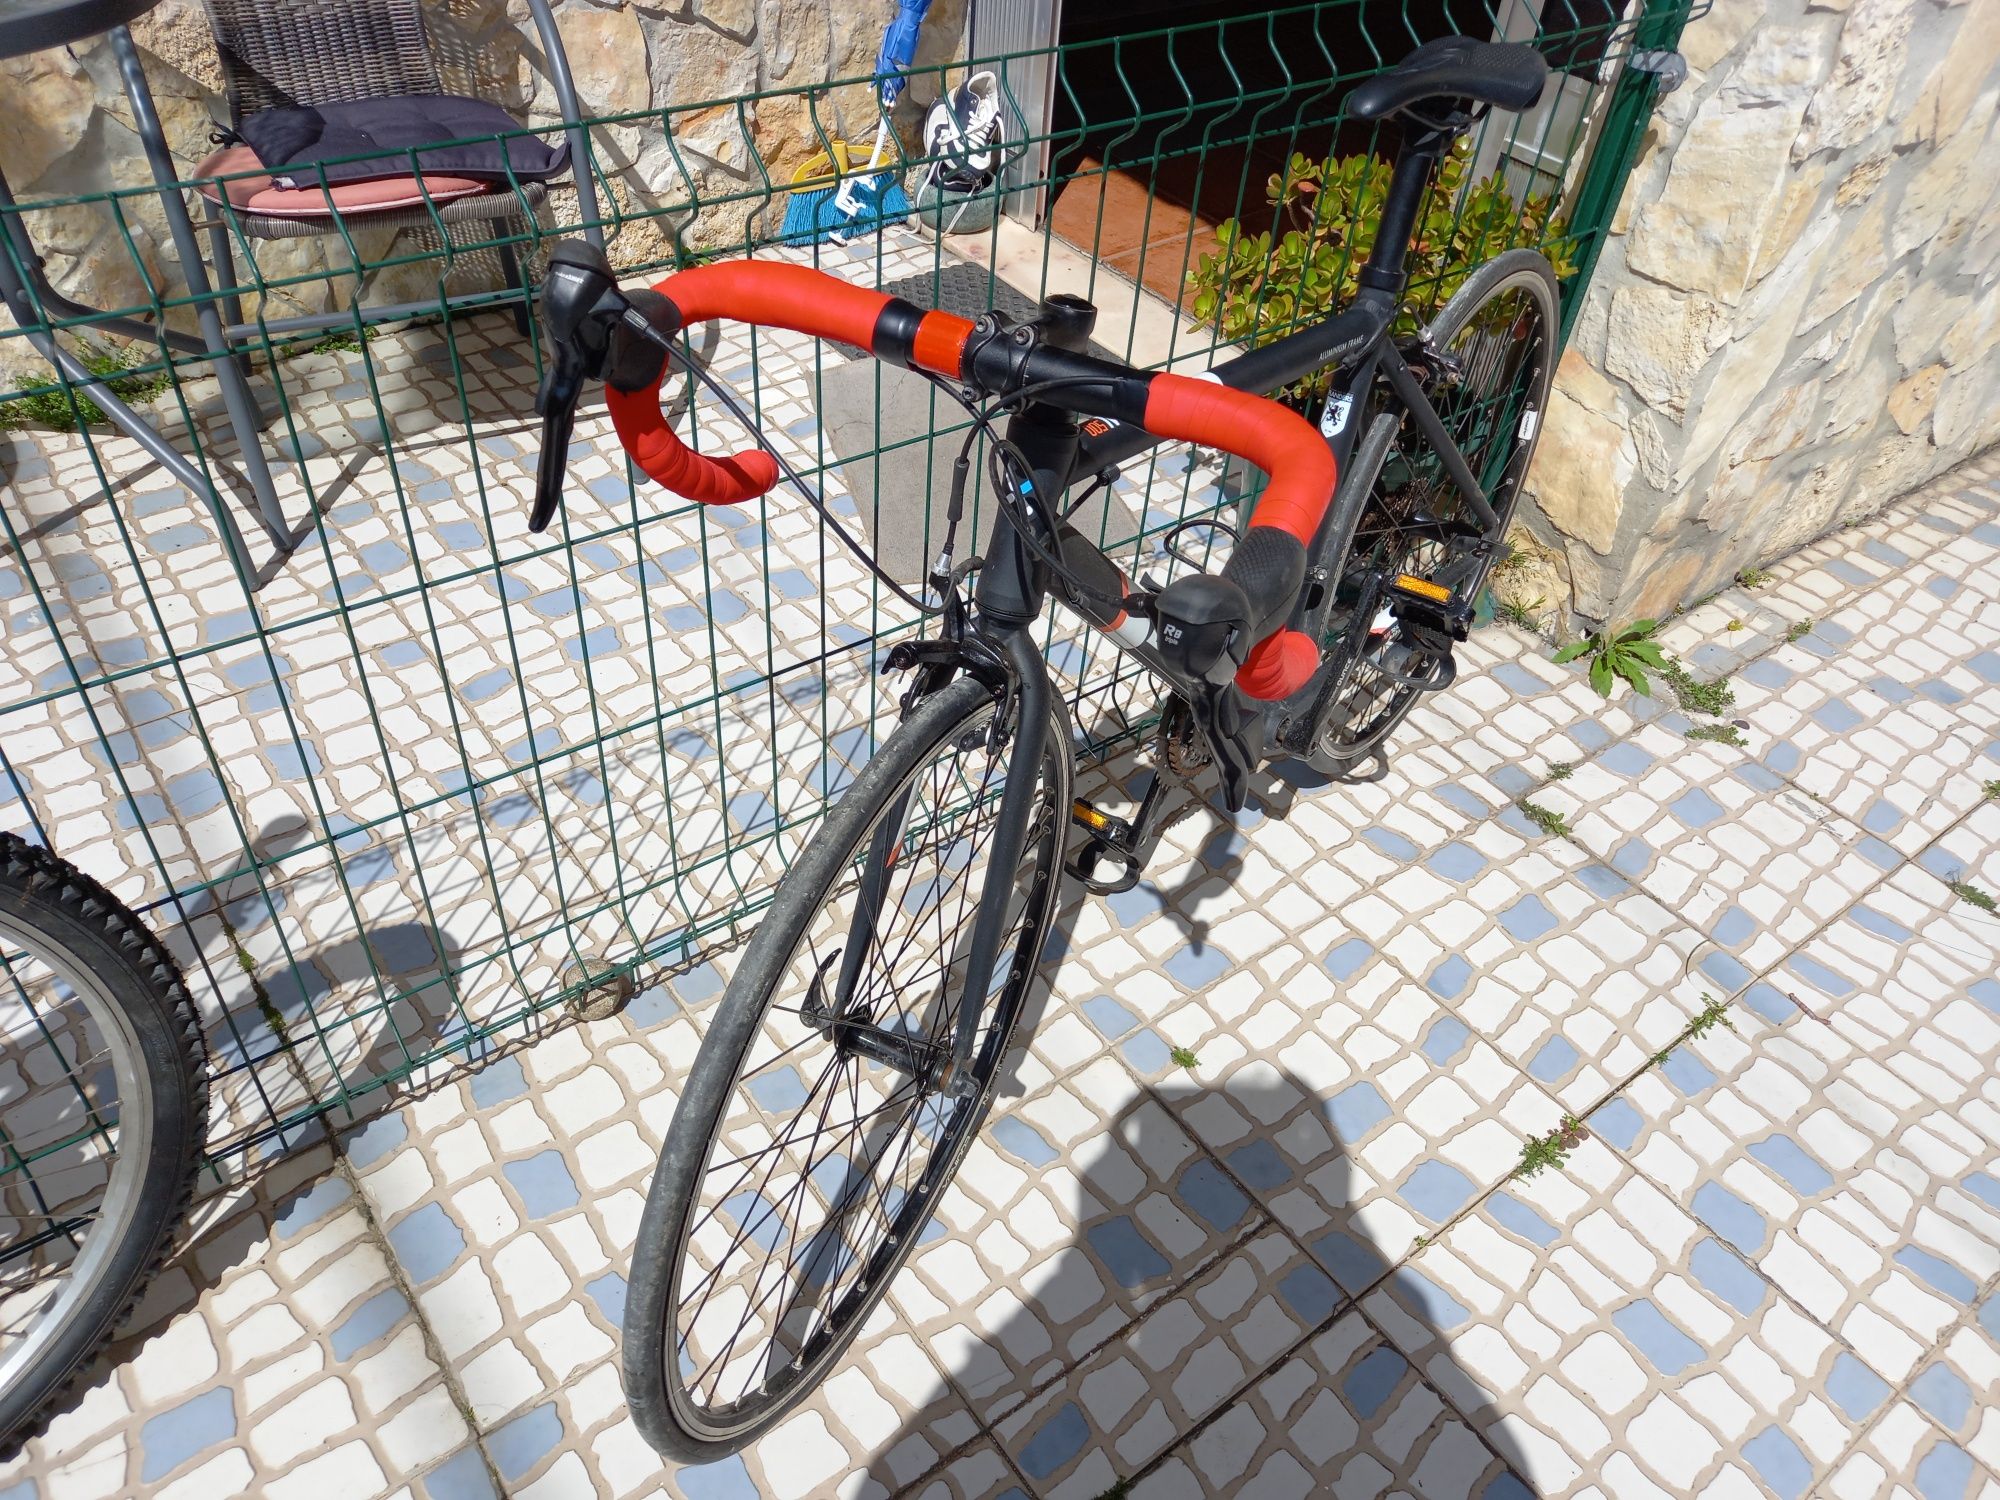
1179,744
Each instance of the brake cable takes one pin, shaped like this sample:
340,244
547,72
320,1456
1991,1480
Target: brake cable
814,496
1002,452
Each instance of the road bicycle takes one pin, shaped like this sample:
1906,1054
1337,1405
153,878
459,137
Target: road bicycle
852,1059
103,1112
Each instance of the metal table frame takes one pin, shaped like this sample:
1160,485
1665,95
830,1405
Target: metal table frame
33,302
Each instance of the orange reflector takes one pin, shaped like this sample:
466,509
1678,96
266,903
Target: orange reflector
1084,813
1409,583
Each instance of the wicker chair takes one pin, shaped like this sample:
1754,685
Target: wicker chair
308,52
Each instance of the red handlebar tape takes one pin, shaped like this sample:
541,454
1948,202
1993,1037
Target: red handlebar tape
1274,438
1285,446
778,296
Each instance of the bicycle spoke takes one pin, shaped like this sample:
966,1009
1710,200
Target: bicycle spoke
823,1163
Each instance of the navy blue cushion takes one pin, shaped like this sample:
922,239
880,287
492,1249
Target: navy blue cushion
444,130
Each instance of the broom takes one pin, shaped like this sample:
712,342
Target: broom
870,197
808,209
868,200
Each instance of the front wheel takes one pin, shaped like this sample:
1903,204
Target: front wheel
1497,338
818,1126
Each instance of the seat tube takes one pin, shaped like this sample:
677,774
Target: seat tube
1416,158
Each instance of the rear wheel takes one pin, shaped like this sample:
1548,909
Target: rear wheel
1497,338
102,1116
801,1167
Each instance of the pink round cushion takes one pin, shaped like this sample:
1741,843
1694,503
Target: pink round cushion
259,194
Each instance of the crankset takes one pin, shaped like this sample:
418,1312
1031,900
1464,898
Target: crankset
1181,754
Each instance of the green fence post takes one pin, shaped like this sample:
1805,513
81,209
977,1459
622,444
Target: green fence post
1633,96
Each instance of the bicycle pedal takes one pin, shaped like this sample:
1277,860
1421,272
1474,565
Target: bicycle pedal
1419,602
1111,837
1104,827
1083,866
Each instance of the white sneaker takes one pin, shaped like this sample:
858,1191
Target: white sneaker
963,131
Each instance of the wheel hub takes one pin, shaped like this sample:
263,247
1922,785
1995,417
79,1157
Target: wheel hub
854,1033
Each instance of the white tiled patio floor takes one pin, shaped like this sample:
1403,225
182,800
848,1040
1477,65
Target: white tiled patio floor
1301,1266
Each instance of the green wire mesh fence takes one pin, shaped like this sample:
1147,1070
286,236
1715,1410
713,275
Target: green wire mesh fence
394,793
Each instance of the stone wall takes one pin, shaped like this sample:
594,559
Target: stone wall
67,129
1798,318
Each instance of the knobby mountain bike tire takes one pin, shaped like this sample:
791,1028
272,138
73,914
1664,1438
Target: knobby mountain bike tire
799,1171
1501,324
103,1113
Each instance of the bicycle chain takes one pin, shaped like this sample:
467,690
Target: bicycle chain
1182,754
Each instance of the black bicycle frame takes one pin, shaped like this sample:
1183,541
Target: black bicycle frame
1013,582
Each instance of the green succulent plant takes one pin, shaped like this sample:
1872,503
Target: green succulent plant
1255,288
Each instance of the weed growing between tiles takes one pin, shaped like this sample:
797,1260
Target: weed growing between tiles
1552,823
1719,734
1539,1153
1972,895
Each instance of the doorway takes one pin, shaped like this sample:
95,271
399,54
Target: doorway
1164,118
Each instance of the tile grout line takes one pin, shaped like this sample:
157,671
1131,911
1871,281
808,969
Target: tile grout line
372,1230
1354,1301
1898,1389
433,1347
990,1430
1263,1219
1351,1304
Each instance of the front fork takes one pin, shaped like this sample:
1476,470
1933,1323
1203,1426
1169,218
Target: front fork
1022,724
998,648
1030,724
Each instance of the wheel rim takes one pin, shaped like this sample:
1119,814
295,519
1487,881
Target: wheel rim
76,1128
1494,415
825,1165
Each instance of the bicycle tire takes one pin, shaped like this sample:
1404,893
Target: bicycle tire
655,1344
55,916
1524,271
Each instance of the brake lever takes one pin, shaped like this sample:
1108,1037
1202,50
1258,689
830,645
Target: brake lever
556,401
580,304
